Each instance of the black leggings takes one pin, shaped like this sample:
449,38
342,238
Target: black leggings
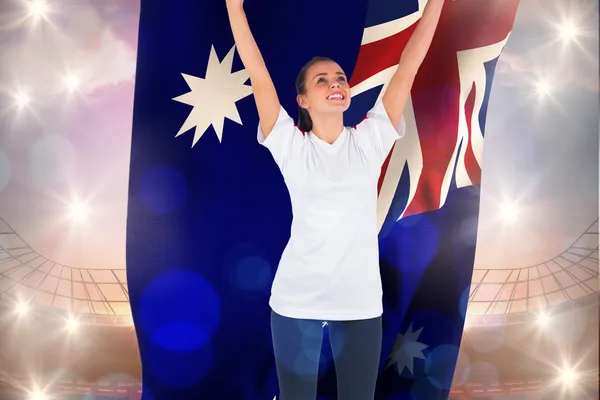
356,347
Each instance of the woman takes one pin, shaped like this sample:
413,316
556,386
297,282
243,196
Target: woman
329,270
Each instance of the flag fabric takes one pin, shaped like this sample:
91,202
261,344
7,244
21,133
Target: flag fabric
429,187
209,214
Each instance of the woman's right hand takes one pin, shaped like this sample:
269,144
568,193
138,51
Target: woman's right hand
234,3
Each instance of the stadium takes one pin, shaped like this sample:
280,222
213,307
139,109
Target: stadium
531,332
66,100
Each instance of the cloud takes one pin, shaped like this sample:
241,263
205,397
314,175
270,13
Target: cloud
589,82
512,63
111,8
518,70
79,41
535,51
105,59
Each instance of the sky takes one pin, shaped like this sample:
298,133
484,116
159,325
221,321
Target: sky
64,157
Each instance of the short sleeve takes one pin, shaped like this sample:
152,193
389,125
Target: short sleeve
282,139
377,132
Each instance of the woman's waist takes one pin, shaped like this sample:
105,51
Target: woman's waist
305,251
326,225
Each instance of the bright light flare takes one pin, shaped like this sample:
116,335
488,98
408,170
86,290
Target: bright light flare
568,31
72,82
78,211
543,319
22,99
37,9
543,88
22,309
72,324
509,212
37,394
568,376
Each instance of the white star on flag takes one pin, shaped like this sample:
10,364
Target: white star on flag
406,349
213,98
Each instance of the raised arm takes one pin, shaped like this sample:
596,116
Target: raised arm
265,96
411,59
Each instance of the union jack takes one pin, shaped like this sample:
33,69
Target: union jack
444,138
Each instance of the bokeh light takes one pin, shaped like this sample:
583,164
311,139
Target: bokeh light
180,368
163,189
468,230
180,310
462,370
5,171
570,334
406,236
482,373
53,159
307,332
252,273
440,360
488,338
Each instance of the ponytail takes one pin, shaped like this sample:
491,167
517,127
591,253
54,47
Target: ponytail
304,120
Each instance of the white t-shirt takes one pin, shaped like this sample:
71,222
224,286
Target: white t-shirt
329,269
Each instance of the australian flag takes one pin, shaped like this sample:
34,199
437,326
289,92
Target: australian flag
209,214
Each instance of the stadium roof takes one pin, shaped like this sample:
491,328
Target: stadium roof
569,276
28,276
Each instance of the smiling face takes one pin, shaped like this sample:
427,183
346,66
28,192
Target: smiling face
326,89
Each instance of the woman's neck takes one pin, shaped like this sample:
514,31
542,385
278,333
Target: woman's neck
328,127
